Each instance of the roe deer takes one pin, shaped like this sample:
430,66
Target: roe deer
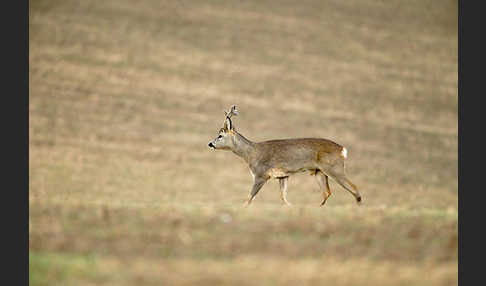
281,158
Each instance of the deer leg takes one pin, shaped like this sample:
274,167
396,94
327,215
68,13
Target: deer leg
257,185
283,189
322,180
341,179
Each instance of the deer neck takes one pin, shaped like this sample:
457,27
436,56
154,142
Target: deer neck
242,146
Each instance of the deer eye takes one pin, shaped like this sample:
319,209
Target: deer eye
220,136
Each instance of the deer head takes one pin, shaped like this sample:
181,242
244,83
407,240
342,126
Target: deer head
225,139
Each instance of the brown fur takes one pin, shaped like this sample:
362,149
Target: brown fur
284,157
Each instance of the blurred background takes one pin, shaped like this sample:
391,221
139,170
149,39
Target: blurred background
125,95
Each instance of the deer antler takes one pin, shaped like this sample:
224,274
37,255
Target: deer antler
232,112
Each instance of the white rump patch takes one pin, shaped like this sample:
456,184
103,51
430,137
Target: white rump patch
344,153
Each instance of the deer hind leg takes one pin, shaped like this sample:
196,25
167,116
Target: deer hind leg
257,185
283,189
348,185
323,180
337,173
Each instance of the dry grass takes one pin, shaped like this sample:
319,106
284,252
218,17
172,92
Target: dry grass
124,98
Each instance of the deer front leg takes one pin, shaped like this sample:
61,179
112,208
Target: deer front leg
283,189
257,185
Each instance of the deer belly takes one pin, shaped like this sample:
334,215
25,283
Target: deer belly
280,172
277,173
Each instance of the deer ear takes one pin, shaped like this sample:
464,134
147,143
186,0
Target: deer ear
228,125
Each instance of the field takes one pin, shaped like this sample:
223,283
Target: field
124,97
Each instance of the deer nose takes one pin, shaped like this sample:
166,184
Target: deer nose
211,144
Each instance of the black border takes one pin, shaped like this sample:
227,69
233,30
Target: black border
470,125
15,235
15,139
